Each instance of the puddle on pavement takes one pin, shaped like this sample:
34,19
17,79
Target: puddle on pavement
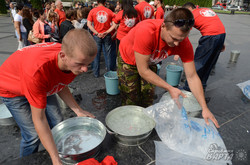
231,64
100,100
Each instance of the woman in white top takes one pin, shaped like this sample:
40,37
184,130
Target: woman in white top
21,32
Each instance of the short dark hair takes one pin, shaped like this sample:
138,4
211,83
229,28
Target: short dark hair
179,13
38,13
19,6
188,5
85,12
47,3
70,13
101,1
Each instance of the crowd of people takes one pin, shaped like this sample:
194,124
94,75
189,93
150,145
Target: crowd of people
51,23
133,40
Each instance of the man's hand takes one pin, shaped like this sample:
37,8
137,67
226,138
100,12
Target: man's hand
85,114
207,114
175,93
176,57
102,35
223,48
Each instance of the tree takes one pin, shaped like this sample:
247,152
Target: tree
37,4
3,9
203,3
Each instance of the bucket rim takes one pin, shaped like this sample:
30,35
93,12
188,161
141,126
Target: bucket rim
235,51
180,68
113,72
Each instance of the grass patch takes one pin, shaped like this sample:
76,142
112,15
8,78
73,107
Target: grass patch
7,14
4,14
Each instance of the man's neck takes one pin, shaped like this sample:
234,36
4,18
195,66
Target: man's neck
158,5
139,1
191,9
100,4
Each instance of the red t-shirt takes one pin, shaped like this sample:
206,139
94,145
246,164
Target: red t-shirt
145,39
33,72
144,10
159,13
208,22
126,24
61,14
102,18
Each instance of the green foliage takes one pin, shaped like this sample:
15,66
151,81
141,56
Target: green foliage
3,9
201,3
37,4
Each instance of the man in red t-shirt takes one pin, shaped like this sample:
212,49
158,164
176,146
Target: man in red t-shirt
59,10
144,10
148,43
159,14
99,22
31,76
211,44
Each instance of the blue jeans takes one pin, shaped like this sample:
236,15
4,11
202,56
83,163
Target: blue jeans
107,55
19,107
206,56
112,56
24,38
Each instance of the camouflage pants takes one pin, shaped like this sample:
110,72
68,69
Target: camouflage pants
134,90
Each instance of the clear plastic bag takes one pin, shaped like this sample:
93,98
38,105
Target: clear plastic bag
165,154
245,88
190,136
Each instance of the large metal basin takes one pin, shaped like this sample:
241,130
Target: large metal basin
129,125
78,138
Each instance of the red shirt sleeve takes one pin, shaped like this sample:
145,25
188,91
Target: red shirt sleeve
159,13
90,18
118,17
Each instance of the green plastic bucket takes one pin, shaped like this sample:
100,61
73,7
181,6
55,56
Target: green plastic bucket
111,83
173,74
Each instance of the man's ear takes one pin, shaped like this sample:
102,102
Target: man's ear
163,25
62,55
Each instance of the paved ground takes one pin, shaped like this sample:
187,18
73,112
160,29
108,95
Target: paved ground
229,105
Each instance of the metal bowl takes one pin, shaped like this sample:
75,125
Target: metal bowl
78,138
129,125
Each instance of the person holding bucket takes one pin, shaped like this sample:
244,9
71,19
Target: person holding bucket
211,44
30,78
147,44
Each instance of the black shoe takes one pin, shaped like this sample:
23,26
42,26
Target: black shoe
207,99
96,76
183,88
